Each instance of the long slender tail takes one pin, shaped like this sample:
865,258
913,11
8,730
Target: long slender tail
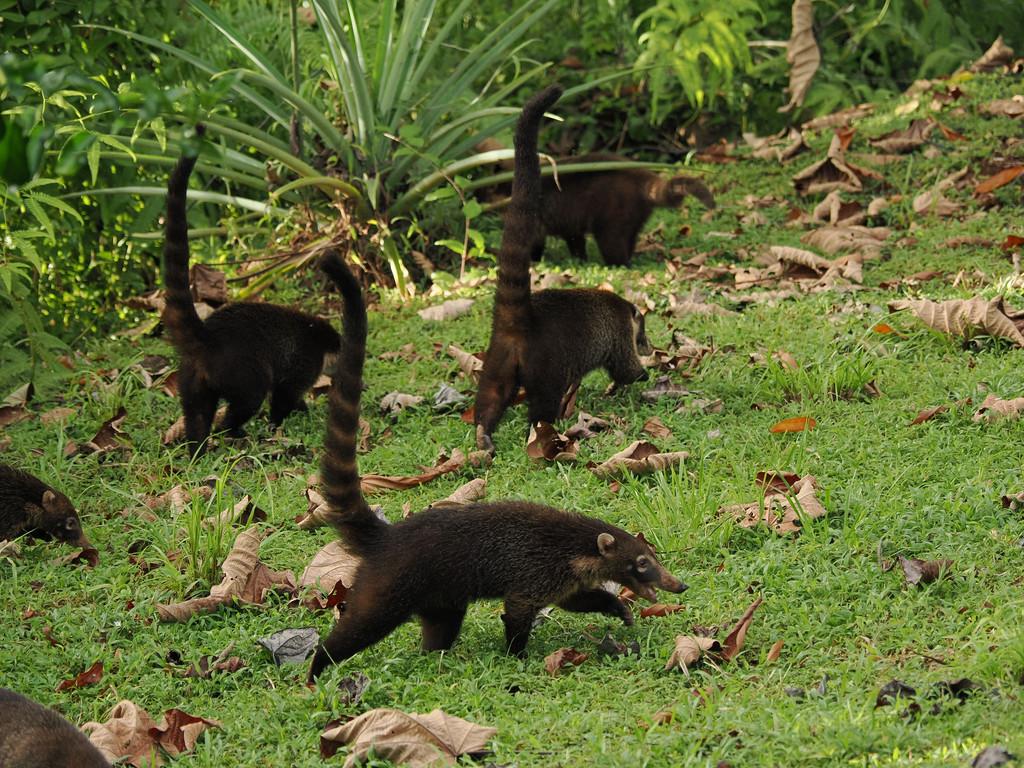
179,315
512,296
339,475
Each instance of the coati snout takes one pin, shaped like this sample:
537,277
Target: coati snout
645,573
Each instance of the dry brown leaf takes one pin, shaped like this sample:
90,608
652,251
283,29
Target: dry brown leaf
775,651
963,318
110,437
655,428
318,512
930,413
639,458
546,442
779,511
330,566
176,431
734,640
796,424
407,738
998,55
800,257
470,365
1013,108
907,139
921,572
372,483
998,180
834,172
468,493
395,402
91,676
563,657
57,415
994,408
802,54
689,649
447,310
208,285
659,610
130,732
851,237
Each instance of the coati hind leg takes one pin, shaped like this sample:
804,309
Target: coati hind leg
368,617
577,246
199,405
284,401
441,627
615,245
499,383
518,618
598,601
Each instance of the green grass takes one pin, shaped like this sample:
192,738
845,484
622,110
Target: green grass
931,491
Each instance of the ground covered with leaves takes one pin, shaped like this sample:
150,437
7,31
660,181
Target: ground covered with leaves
828,452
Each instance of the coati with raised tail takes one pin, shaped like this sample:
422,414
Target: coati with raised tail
613,205
240,352
547,341
34,736
28,505
433,564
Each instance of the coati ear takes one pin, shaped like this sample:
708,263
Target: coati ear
605,544
49,501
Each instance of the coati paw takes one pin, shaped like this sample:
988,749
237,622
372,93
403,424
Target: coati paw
483,441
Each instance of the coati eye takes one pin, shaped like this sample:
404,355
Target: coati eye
642,564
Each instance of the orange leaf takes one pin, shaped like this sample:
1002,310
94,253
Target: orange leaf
883,328
796,424
1012,241
998,180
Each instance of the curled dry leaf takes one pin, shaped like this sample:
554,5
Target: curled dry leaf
371,483
110,437
586,427
639,458
394,402
292,645
470,365
317,511
905,140
778,511
447,310
655,428
688,649
994,408
89,556
734,640
963,318
775,651
467,493
834,172
930,413
802,54
998,55
130,732
405,738
659,610
918,571
91,676
563,657
546,442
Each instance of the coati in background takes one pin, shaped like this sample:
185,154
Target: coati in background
33,736
614,205
242,351
435,563
547,341
28,505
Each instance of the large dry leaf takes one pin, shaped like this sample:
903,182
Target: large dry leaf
563,657
834,172
407,738
688,649
546,442
470,365
91,676
796,424
330,566
209,285
656,429
963,318
779,511
1000,179
371,483
918,571
467,493
639,458
907,139
110,437
848,237
998,55
802,54
395,402
994,408
131,733
1013,107
800,257
734,640
447,310
933,202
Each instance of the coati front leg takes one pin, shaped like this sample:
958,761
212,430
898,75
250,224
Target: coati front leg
518,618
199,406
441,627
598,601
615,244
284,401
499,382
577,246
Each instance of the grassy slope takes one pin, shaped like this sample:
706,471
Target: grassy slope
930,491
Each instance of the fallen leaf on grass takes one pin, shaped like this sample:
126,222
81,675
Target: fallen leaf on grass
775,651
734,640
918,571
176,431
447,310
470,365
130,732
371,483
664,386
689,649
796,424
406,738
331,566
639,458
563,657
91,676
906,139
778,511
11,414
546,442
395,402
292,645
655,428
994,408
587,427
660,610
930,413
992,756
998,180
110,437
963,318
467,493
998,55
90,557
834,172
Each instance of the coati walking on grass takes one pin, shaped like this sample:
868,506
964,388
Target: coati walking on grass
614,205
33,736
28,505
242,351
547,341
433,564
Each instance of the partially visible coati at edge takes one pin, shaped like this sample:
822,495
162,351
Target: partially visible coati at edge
33,736
547,341
28,505
242,351
614,205
435,563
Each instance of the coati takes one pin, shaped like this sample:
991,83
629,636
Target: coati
547,341
433,564
242,351
33,736
613,205
28,505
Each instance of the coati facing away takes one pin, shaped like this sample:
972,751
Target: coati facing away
28,505
547,341
242,351
614,205
33,736
434,564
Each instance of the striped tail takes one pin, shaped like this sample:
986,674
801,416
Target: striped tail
339,475
179,315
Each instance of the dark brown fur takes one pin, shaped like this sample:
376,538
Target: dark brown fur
547,341
28,505
242,351
33,736
613,205
432,565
